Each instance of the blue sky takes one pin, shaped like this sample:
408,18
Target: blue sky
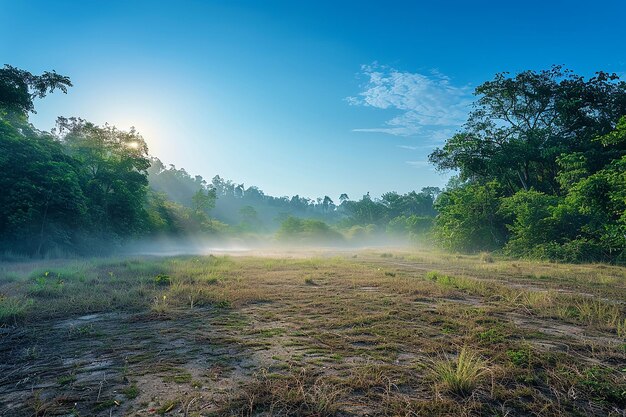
308,98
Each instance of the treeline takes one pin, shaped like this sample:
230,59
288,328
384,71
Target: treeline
80,189
540,170
541,165
250,210
87,189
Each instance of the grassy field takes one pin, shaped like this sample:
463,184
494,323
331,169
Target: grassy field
314,334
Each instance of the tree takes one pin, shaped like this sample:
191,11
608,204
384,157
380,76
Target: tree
18,88
328,204
532,223
42,205
469,218
307,231
520,126
203,201
249,217
114,176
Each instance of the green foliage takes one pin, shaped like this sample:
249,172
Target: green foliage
82,189
307,231
361,233
469,218
532,221
13,309
131,392
113,166
598,383
203,201
42,200
413,226
542,169
18,88
521,357
520,126
162,280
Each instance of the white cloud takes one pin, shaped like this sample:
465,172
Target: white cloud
418,164
421,164
429,105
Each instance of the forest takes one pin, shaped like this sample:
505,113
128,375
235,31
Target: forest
538,171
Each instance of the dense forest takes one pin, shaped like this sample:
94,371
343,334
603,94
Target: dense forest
539,171
541,165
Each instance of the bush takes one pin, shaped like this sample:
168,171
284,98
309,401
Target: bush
469,218
307,231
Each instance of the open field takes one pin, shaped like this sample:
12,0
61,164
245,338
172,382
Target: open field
319,334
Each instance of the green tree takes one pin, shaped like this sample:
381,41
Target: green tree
520,126
41,204
204,200
532,223
114,175
469,218
18,88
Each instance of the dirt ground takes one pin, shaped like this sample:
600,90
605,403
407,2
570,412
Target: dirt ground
312,333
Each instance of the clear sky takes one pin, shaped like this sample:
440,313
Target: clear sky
309,98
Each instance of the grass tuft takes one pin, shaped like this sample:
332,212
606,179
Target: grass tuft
462,375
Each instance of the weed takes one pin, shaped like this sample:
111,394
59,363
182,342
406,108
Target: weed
521,357
14,309
66,379
294,394
131,392
167,407
162,280
179,378
460,376
491,336
103,405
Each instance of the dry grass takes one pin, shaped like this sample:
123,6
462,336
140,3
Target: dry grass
321,335
462,374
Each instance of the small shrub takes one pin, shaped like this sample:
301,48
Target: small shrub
162,280
520,357
491,336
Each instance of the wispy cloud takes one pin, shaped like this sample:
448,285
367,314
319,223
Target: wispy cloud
436,139
429,104
417,163
420,164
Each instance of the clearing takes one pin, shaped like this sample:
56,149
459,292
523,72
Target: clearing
317,333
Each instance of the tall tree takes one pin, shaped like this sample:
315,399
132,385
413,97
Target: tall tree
520,125
114,167
18,88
